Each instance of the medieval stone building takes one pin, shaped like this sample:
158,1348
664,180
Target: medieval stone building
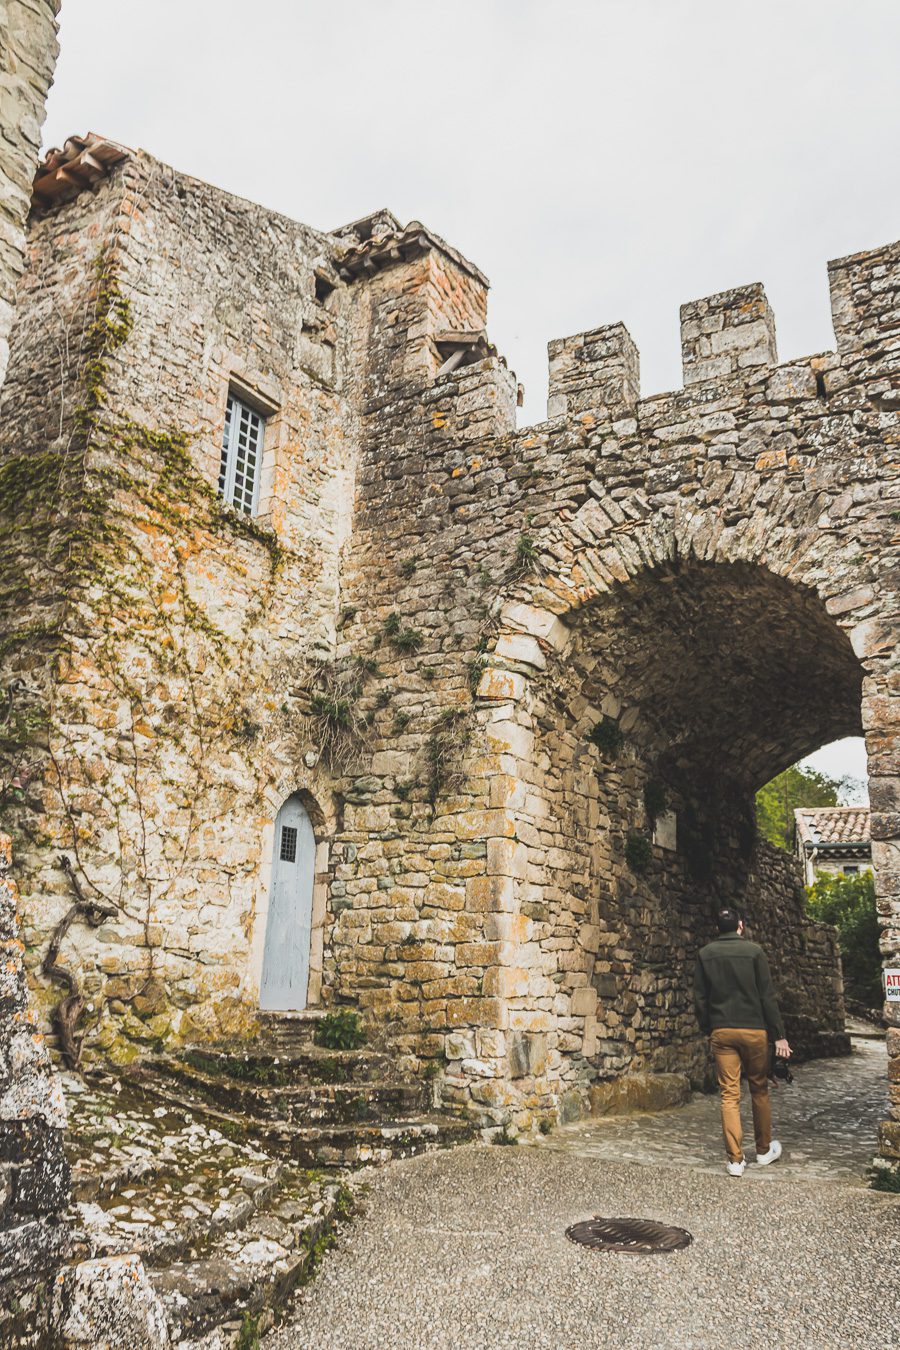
327,685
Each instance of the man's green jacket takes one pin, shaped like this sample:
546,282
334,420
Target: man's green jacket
733,987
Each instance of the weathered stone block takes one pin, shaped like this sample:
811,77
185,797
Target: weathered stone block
639,1092
527,1054
107,1304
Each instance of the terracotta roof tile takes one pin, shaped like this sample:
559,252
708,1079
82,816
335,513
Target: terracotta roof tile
81,163
832,826
380,250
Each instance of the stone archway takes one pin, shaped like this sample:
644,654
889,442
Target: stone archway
706,675
700,681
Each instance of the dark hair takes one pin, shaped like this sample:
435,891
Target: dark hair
728,919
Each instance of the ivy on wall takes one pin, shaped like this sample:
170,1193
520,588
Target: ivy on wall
110,523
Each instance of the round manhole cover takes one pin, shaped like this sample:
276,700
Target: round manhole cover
639,1236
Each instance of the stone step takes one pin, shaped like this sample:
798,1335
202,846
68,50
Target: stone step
246,1273
224,1228
329,1145
267,1065
249,1271
300,1103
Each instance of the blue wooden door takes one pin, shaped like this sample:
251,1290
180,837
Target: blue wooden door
285,973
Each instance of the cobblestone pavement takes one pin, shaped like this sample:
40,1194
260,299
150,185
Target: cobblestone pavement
466,1248
826,1120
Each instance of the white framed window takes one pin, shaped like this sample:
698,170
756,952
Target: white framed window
242,449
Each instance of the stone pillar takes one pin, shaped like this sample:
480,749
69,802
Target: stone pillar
881,721
34,1174
28,50
598,371
728,334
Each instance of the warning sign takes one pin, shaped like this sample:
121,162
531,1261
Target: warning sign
892,986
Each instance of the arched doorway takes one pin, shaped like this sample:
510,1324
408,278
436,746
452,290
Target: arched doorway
285,973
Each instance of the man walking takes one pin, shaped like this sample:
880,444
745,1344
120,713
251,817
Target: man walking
737,1009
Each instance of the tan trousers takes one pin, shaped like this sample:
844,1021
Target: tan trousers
734,1048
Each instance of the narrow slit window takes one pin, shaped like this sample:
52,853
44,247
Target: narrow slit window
241,462
288,844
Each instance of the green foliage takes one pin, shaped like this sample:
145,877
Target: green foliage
329,1071
546,1125
428,674
607,735
526,557
848,902
474,671
638,852
392,624
408,566
340,1030
654,798
344,1202
885,1176
777,801
444,752
408,639
402,720
365,665
334,710
248,1337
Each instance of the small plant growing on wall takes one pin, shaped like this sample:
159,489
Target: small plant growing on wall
654,799
607,735
444,752
408,566
336,720
392,624
474,671
638,852
408,639
340,1030
526,557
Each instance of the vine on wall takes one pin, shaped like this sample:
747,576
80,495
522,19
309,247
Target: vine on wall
114,521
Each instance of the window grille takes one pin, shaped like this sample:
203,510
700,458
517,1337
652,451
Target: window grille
288,844
239,468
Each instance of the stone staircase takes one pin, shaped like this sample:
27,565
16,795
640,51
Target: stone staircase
226,1230
225,1168
315,1106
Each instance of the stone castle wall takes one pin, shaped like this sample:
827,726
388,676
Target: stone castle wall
28,51
565,657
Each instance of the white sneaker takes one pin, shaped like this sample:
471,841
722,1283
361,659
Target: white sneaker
773,1154
736,1169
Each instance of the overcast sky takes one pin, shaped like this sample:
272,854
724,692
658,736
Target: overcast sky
600,160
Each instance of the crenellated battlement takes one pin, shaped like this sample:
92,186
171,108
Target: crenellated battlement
731,336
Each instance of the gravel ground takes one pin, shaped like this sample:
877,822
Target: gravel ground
466,1249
